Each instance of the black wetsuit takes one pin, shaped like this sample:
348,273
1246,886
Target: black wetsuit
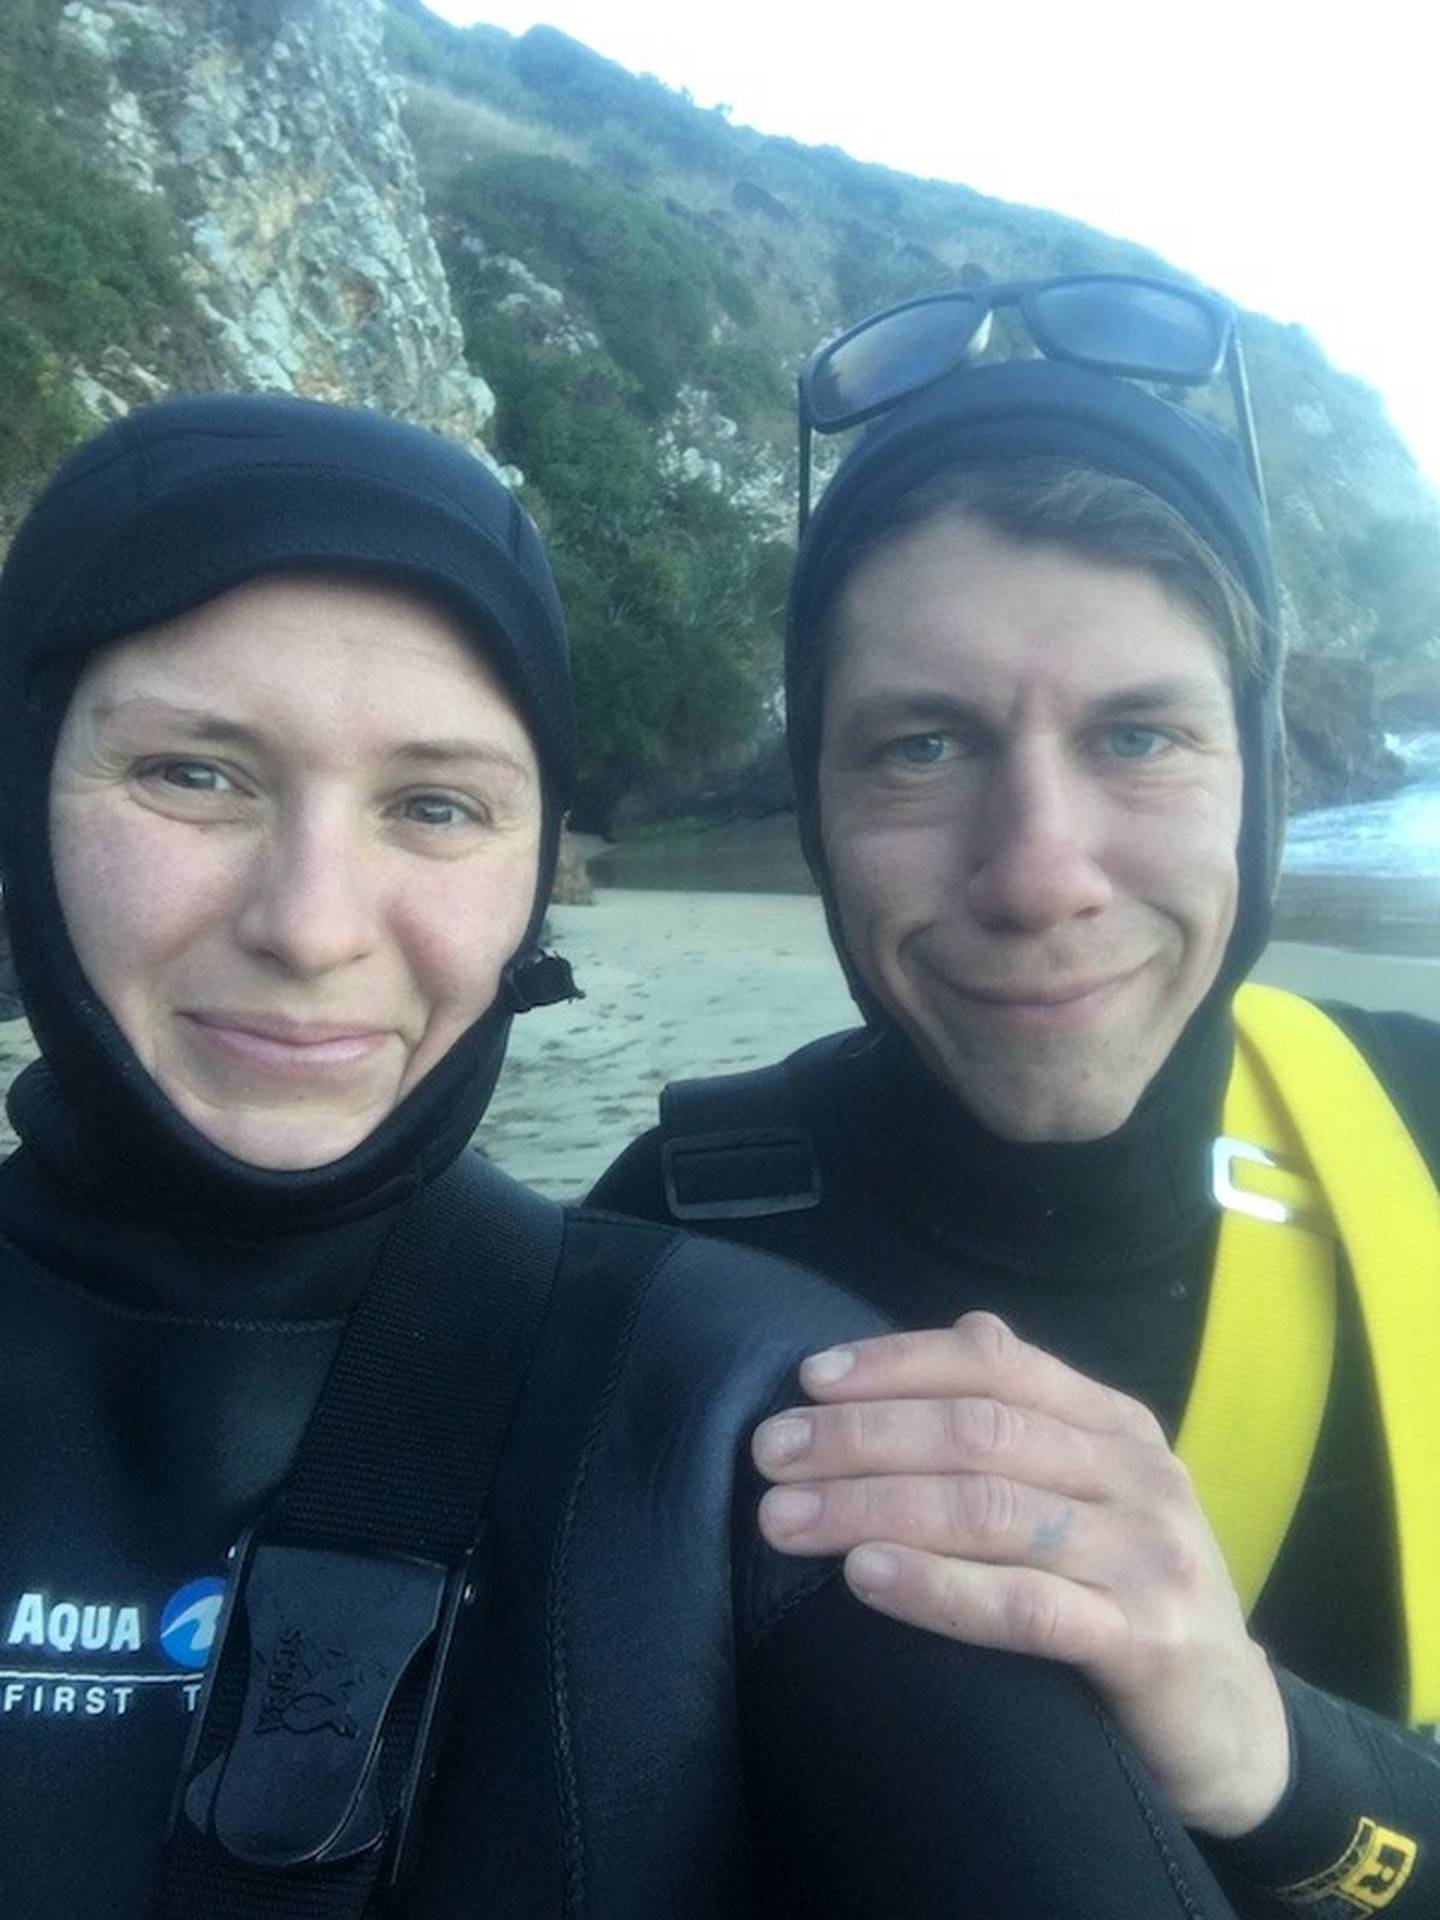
1102,1252
666,1719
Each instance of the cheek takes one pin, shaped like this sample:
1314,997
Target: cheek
462,930
130,892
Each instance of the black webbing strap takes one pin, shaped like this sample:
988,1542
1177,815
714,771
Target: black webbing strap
348,1608
733,1147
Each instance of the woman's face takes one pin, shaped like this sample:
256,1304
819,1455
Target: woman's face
296,837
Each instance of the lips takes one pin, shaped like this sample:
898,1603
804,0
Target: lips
277,1043
1052,1005
1054,994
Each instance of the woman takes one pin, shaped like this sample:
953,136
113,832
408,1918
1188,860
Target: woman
287,741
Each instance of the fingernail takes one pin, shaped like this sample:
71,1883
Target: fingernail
871,1568
792,1509
784,1438
824,1369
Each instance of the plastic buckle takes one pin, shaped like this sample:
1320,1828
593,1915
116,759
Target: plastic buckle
1228,1153
327,1638
744,1145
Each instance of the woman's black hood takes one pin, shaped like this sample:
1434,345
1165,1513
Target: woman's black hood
169,508
1012,411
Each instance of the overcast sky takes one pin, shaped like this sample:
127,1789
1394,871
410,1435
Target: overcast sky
1286,153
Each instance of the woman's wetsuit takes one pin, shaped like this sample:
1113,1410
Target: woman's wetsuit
1102,1253
666,1718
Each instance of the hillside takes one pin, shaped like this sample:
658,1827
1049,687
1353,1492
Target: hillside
581,272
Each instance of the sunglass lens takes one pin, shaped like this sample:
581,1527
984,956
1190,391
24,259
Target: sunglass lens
896,354
1152,331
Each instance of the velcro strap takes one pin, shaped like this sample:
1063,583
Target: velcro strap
740,1175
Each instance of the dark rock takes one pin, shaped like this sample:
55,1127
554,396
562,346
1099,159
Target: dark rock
1337,742
572,879
1410,695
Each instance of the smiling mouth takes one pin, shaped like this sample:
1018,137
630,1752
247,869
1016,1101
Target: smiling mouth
1051,996
1054,1004
275,1044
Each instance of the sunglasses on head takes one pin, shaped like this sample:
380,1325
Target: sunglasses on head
1117,323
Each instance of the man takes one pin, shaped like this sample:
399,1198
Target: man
1033,702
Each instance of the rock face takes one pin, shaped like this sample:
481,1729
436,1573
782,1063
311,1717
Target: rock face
273,129
1337,744
1409,693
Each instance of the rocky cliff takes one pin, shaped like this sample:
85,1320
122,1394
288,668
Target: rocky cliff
273,135
585,277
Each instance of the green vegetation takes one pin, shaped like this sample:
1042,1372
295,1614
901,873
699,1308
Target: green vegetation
671,600
652,286
84,262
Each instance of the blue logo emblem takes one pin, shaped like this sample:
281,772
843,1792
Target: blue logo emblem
187,1625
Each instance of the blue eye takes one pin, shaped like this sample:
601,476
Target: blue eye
192,776
925,749
435,810
1136,743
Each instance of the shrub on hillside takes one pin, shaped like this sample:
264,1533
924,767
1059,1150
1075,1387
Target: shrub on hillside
652,285
85,263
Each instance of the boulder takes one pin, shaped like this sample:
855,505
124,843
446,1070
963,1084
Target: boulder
1409,695
572,877
1338,753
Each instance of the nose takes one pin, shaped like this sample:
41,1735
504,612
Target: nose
1037,860
310,902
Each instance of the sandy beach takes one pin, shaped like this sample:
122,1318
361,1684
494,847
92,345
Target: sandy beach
685,983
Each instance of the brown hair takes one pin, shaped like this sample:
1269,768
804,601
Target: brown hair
1050,499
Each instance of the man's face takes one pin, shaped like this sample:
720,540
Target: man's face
1030,795
296,837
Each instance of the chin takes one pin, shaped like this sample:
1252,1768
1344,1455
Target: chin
1052,1115
289,1143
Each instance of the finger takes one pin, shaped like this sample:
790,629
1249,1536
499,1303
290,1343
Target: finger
1015,1609
971,1516
978,1357
849,1440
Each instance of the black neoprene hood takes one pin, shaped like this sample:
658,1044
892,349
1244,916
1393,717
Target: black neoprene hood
167,509
987,415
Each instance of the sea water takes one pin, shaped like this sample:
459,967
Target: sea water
1394,838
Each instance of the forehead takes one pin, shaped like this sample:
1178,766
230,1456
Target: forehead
957,603
291,648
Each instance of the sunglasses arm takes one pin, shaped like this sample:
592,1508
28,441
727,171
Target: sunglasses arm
1240,394
803,442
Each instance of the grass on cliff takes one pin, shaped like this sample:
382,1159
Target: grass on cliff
85,262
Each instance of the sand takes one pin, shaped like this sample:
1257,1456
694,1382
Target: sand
679,984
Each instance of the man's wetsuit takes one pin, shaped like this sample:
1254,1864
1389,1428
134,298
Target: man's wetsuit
1101,1252
665,1719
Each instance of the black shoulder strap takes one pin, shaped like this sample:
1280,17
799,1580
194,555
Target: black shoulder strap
347,1613
734,1147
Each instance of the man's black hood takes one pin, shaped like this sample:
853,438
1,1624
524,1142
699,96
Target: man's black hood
167,509
988,415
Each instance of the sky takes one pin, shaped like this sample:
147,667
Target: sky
1284,152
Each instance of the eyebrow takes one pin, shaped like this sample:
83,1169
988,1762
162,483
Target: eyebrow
202,726
922,707
1159,696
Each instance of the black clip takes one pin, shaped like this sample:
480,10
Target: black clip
327,1638
538,979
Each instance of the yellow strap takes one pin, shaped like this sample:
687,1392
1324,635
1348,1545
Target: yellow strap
1259,1395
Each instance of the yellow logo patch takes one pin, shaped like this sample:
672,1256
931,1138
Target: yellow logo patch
1365,1879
